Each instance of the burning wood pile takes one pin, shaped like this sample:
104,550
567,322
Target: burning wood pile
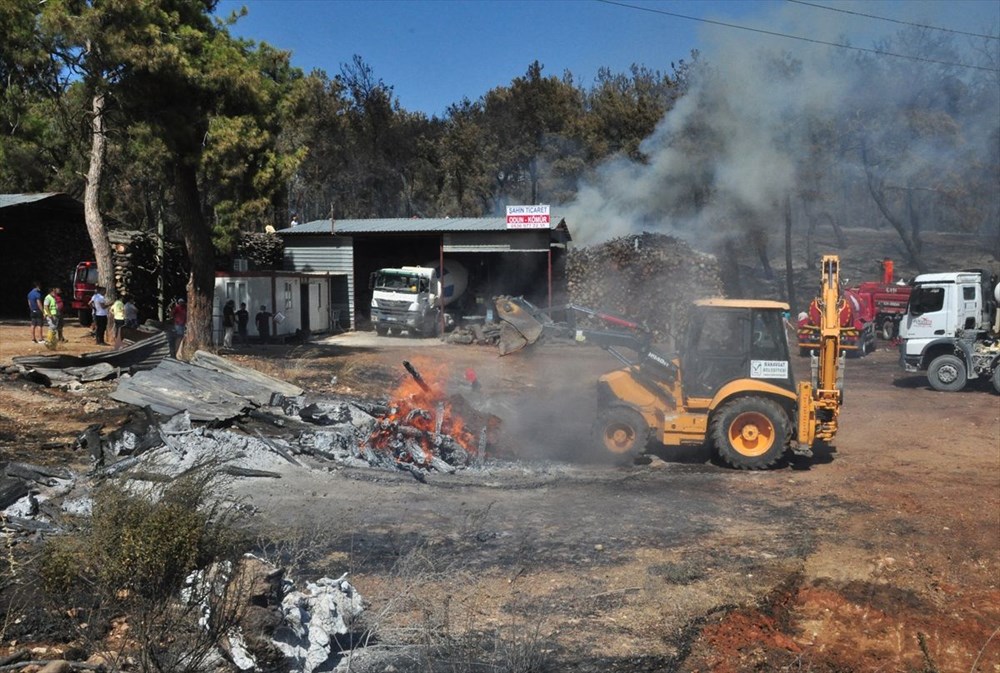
420,427
649,278
424,429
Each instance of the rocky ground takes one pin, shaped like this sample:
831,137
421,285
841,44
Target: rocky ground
880,554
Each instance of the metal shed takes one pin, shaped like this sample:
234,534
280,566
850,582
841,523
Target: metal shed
500,260
42,236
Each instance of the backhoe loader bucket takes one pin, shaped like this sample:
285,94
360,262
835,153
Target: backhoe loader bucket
521,323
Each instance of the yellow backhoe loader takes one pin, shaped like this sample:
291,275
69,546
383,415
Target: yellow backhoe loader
731,386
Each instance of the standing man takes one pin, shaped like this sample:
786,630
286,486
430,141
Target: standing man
242,319
118,315
263,320
228,323
180,317
35,311
62,315
98,301
131,314
50,307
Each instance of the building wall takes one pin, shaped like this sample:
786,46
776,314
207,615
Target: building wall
333,254
279,293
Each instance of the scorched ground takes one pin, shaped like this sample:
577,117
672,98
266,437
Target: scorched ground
879,555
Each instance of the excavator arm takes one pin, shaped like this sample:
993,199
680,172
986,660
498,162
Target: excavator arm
820,399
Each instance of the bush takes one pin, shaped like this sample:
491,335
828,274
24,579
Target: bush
134,560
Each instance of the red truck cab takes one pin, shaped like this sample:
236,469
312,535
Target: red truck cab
84,286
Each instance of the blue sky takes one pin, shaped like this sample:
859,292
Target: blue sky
436,52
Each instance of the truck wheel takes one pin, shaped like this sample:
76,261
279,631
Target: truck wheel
946,373
85,317
996,377
888,330
381,331
750,433
622,431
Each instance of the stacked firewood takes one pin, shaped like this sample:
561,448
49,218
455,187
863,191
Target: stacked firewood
261,249
137,269
649,278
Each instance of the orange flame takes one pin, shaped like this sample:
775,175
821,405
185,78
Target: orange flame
425,409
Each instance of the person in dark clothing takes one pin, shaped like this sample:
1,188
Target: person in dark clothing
228,323
242,319
35,312
263,320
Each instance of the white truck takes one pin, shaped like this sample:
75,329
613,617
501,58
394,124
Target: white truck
951,329
406,298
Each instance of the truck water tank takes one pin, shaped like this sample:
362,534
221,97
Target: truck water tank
455,279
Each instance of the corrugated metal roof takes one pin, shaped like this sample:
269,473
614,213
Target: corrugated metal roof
403,225
20,199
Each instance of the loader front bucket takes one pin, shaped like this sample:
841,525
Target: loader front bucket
521,323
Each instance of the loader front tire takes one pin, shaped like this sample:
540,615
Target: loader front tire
750,433
946,373
622,431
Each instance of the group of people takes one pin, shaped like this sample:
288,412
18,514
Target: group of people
47,310
50,311
235,321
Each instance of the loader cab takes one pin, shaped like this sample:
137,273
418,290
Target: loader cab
729,340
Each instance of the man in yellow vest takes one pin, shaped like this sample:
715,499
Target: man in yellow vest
50,309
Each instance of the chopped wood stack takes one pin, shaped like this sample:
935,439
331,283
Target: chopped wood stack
649,278
137,269
261,250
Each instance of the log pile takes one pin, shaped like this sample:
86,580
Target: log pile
649,278
137,269
261,250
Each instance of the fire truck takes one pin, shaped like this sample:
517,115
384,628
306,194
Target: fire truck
856,314
888,299
84,283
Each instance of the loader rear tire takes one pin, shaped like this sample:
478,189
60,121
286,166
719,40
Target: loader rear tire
751,433
946,373
622,431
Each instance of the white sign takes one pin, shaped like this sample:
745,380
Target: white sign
528,217
769,369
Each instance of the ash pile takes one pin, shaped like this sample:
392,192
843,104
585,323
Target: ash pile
213,416
273,426
649,278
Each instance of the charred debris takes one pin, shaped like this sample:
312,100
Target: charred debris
211,414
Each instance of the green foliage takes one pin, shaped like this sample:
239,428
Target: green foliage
140,549
132,563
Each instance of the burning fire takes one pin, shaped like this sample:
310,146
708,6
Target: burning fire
423,426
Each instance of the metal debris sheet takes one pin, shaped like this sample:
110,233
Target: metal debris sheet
211,390
143,354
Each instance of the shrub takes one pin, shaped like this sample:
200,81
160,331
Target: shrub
133,561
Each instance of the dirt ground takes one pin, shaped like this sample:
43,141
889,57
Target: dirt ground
880,554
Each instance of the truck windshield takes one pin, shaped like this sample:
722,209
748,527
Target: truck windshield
86,274
926,300
400,282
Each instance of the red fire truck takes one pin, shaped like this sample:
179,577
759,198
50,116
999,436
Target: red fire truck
84,286
888,299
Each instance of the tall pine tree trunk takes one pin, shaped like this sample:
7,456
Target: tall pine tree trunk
198,242
91,206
